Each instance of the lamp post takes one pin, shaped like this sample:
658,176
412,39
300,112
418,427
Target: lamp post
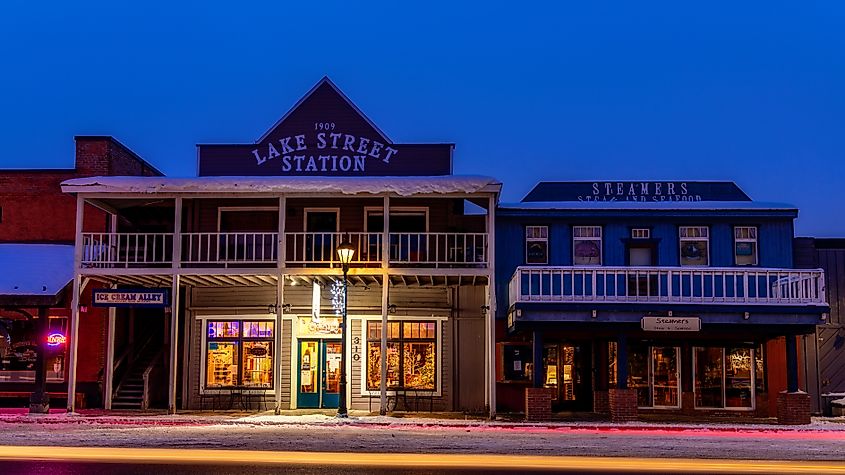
345,252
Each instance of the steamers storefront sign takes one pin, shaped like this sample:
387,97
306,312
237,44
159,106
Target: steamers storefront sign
671,324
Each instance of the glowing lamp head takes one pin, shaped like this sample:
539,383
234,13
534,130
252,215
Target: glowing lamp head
345,253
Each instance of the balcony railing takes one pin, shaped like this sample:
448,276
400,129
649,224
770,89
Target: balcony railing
676,285
127,249
245,249
439,249
321,248
229,248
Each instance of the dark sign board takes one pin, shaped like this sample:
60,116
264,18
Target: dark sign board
152,297
325,134
649,191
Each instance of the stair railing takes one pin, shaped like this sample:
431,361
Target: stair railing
148,376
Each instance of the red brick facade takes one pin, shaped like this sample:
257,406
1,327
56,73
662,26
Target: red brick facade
601,402
793,408
623,405
538,404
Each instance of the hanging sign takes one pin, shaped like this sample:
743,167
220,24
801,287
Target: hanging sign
152,297
671,324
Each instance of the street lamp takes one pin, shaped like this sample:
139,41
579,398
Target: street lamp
345,252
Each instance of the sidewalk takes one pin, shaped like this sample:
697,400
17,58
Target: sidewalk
362,419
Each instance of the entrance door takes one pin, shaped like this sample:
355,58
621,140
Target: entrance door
319,374
566,370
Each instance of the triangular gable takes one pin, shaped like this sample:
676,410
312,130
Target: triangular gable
644,191
325,134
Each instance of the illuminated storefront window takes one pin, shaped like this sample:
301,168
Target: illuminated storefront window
19,347
725,377
239,353
411,355
654,372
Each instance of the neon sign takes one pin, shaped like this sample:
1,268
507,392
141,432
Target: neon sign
56,339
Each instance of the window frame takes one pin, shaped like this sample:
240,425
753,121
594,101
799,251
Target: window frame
682,239
438,353
541,239
599,238
204,320
725,407
755,240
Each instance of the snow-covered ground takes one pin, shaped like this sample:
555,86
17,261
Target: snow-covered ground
822,440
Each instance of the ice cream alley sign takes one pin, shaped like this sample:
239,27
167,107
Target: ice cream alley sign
325,134
152,297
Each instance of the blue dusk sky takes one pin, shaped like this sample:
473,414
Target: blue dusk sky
752,92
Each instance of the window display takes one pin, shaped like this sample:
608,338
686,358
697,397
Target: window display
239,358
654,372
586,245
695,245
411,355
19,347
725,377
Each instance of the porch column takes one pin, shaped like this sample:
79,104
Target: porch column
537,366
74,307
490,318
277,364
793,406
39,401
385,283
791,364
174,344
622,400
108,390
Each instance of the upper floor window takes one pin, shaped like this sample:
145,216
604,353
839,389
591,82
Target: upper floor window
640,233
695,245
536,244
586,245
745,245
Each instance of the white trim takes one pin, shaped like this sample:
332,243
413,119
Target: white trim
397,211
438,320
599,238
527,239
678,365
305,212
681,240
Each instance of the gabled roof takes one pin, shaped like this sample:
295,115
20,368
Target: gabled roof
325,82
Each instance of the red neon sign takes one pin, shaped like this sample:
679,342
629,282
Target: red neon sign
56,339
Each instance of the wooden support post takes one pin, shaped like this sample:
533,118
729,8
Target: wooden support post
74,310
277,332
791,364
490,318
385,302
174,345
108,390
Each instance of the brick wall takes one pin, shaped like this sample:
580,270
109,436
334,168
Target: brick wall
538,404
601,402
793,408
623,404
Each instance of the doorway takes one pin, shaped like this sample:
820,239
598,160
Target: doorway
566,370
321,226
319,374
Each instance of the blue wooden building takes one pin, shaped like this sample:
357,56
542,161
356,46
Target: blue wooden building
631,298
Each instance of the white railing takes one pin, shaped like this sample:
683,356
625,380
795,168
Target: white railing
126,249
229,248
668,285
439,249
321,248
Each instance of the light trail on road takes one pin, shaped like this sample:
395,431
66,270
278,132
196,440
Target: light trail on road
412,461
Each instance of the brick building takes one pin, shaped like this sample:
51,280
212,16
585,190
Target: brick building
38,220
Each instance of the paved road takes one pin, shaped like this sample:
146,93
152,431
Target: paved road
97,460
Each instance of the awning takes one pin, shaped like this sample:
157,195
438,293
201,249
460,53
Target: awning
34,274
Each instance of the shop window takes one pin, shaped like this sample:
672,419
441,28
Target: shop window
654,372
239,353
411,355
725,377
695,245
19,348
536,244
745,245
586,245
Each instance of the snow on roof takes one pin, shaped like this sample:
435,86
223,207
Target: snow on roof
402,185
35,269
647,205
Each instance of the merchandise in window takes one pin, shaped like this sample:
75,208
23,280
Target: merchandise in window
745,245
586,245
19,348
725,377
654,372
695,245
239,358
536,244
411,355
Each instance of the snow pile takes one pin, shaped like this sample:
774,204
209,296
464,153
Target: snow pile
35,269
402,185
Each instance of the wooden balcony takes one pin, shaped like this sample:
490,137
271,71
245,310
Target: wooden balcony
668,285
300,249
